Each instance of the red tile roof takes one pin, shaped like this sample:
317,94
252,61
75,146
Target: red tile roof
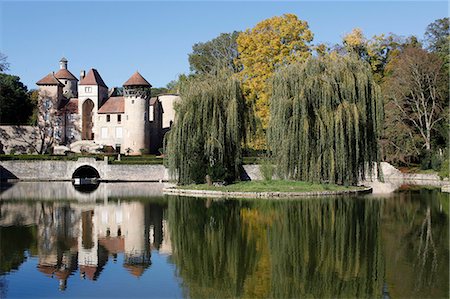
137,80
113,105
65,74
50,79
93,78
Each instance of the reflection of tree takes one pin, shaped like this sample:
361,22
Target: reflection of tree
14,241
327,248
321,248
212,251
415,238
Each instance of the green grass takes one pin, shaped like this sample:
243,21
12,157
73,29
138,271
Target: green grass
271,186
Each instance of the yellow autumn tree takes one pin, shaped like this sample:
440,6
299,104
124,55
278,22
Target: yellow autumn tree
271,44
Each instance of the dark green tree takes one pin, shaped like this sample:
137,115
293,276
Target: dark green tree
216,53
326,116
15,105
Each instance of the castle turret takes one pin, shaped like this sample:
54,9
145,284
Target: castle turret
70,82
136,124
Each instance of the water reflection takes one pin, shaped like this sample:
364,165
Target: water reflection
315,247
67,237
348,247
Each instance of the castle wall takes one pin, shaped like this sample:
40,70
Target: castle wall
136,127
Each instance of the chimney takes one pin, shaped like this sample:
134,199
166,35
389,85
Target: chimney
82,74
63,64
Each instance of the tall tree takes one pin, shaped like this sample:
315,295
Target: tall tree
208,129
437,37
15,106
414,88
271,44
325,122
215,54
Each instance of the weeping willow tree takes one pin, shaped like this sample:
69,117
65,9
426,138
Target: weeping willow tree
325,120
208,129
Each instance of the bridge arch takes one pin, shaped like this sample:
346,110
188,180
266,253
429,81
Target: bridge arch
86,171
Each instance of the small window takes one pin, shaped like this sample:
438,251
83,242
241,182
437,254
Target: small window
119,132
132,101
65,82
151,113
104,132
88,89
108,118
119,118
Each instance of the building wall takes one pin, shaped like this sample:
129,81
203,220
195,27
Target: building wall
112,129
168,102
85,94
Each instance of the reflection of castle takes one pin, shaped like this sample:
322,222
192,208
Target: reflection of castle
86,236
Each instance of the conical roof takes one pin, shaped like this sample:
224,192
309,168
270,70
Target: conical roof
93,78
137,80
50,79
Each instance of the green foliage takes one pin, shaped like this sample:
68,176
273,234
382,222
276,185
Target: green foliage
267,169
444,172
159,90
209,127
220,52
15,106
326,118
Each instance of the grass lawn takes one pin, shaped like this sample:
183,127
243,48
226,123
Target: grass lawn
271,186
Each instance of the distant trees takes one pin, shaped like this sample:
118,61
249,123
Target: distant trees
218,53
415,90
15,104
4,65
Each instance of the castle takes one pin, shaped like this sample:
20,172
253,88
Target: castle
85,111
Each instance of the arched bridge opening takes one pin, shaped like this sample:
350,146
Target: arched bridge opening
86,178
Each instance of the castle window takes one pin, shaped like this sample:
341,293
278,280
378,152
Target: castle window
108,118
104,132
88,89
132,101
119,132
151,113
119,118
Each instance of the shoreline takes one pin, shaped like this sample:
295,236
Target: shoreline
265,194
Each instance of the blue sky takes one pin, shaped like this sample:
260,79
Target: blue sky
118,38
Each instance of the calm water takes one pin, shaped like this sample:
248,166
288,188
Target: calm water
108,244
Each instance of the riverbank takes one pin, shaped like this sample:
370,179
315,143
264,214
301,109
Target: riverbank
266,189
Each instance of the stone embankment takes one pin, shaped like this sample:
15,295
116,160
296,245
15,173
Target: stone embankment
234,194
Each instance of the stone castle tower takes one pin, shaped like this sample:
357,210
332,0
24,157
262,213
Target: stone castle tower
136,91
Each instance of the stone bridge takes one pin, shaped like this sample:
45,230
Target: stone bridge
66,170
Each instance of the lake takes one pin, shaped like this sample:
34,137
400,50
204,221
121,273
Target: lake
128,241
